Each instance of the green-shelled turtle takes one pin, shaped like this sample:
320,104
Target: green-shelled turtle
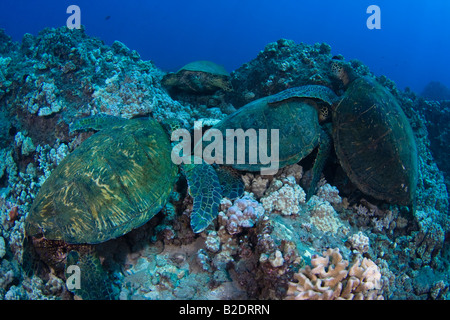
373,139
114,182
295,114
199,77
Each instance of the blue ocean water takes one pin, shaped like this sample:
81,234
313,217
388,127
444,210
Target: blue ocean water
411,48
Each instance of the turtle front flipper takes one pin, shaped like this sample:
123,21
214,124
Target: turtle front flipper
319,163
231,182
93,282
205,189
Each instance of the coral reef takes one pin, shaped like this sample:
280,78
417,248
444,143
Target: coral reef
285,64
267,244
436,116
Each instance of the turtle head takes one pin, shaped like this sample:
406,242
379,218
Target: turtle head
223,83
172,124
324,114
343,72
170,79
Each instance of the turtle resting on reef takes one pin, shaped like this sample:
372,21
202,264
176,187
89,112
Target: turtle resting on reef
114,182
199,77
295,113
372,137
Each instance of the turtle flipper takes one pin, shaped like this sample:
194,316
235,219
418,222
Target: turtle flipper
205,189
30,259
308,91
319,163
97,122
94,282
231,182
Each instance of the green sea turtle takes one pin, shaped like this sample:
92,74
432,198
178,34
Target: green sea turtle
115,181
295,113
373,139
199,77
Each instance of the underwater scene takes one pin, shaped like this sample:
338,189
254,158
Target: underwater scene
224,150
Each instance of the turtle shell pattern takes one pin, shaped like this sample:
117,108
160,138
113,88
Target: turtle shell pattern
115,181
375,143
207,67
322,93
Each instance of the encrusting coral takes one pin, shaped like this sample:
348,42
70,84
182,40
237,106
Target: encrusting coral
331,278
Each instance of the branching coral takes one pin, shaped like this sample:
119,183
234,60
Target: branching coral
331,278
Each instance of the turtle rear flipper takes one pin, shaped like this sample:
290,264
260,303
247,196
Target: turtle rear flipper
319,163
205,189
94,283
31,264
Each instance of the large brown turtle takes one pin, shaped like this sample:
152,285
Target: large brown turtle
199,77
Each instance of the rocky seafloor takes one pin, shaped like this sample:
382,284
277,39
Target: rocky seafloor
268,244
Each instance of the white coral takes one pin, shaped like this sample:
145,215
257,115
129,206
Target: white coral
212,241
259,185
359,242
329,193
284,197
25,143
323,215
